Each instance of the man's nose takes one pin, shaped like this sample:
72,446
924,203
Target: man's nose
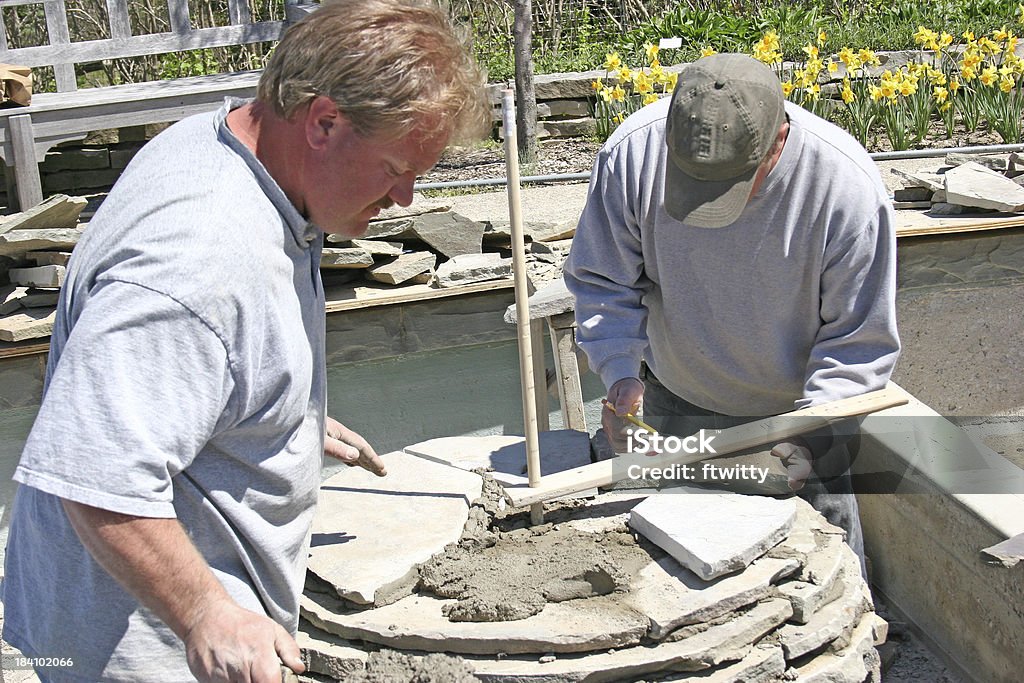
401,191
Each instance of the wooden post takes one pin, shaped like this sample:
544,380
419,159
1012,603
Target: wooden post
515,218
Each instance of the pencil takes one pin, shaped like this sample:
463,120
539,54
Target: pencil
631,417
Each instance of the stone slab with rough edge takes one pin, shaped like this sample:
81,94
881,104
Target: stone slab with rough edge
833,623
450,233
560,450
855,663
995,163
551,299
39,298
328,655
378,247
363,543
727,642
469,268
33,323
932,181
972,184
38,276
764,663
10,298
352,257
403,267
672,596
21,241
420,204
416,622
808,598
713,533
59,211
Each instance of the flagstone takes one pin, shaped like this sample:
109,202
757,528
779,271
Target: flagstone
370,533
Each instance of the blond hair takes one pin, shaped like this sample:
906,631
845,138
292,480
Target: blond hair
389,65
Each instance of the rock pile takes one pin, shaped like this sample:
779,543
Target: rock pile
424,244
586,596
967,183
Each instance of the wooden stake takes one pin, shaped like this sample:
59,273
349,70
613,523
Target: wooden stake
515,218
756,433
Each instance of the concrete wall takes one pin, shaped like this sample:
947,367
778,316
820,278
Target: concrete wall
944,497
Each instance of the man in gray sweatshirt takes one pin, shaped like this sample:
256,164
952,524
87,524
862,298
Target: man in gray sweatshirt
736,258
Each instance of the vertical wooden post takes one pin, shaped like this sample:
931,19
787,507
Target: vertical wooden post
515,218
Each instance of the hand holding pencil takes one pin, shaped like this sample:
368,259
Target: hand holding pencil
621,406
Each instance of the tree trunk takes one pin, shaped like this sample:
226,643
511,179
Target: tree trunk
526,100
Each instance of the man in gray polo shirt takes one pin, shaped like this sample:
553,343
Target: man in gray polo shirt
744,249
161,529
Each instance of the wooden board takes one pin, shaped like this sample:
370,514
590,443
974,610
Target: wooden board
756,433
913,223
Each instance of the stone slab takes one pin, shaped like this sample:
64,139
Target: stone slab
59,211
807,597
452,234
328,655
469,268
560,450
855,663
10,298
972,184
39,298
672,596
728,642
551,299
403,267
352,257
932,181
833,623
32,323
21,241
370,533
416,622
378,247
713,533
38,276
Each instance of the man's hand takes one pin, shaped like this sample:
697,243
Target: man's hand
229,644
626,396
797,458
350,448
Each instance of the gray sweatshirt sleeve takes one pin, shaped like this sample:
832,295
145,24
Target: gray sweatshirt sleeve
605,272
857,344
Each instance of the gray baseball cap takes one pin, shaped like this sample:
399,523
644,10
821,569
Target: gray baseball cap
723,119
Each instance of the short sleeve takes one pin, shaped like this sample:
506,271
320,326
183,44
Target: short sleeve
139,387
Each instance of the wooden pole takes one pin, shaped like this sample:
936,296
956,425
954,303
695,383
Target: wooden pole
515,219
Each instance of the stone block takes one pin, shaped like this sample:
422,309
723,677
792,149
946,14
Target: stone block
33,323
38,276
328,655
10,298
40,298
449,233
71,159
378,247
49,258
996,163
65,181
931,181
713,533
551,299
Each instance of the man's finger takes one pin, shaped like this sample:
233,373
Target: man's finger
372,463
289,652
798,463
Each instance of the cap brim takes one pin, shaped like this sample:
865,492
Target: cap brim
705,203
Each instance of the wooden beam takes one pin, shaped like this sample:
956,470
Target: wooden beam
757,433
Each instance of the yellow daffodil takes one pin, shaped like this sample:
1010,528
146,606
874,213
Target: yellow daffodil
625,74
832,67
940,94
612,61
650,98
847,92
988,76
618,94
1000,34
1006,83
596,85
811,50
642,83
968,73
954,85
708,51
875,93
651,50
670,84
787,88
945,106
822,37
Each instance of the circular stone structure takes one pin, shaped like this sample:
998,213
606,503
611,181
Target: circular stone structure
623,609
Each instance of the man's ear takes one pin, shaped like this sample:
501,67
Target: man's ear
322,121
